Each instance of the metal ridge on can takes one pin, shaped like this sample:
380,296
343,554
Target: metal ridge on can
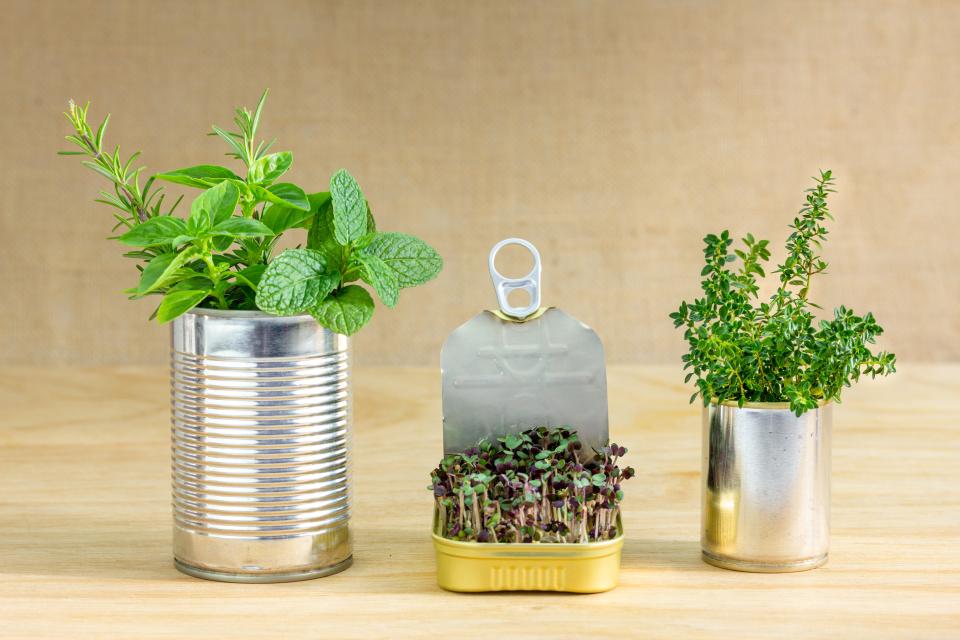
260,412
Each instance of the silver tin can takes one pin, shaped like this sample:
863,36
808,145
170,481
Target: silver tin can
765,487
260,436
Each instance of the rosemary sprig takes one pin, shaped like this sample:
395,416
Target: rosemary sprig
136,204
243,143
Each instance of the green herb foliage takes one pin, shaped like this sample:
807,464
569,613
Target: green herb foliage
530,487
221,255
746,350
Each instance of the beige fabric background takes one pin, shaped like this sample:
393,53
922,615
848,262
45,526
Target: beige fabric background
613,135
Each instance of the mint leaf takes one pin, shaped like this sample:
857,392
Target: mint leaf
381,277
267,169
215,205
155,231
239,227
283,193
346,311
364,240
280,217
412,260
349,208
178,303
320,236
202,176
294,281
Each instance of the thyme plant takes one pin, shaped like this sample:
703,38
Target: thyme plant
530,487
746,350
221,255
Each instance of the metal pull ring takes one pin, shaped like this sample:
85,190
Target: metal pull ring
529,283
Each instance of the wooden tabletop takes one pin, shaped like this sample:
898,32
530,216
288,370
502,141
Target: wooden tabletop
85,523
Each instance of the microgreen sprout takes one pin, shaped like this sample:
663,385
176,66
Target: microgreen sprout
534,486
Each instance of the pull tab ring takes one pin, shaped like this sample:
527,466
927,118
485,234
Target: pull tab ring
529,283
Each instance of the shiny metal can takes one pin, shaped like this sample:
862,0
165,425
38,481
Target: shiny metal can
260,436
765,487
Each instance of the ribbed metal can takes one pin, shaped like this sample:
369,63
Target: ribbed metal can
765,487
260,437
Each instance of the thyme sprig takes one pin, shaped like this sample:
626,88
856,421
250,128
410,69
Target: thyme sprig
746,350
536,486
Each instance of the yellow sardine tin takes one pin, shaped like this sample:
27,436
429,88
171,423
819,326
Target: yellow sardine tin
589,567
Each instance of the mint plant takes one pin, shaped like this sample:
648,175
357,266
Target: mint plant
221,255
743,349
530,487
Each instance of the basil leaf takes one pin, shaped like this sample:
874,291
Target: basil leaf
294,281
195,282
346,311
182,239
267,169
381,277
251,275
280,217
284,193
178,303
160,271
239,227
202,176
195,227
349,208
214,205
412,260
154,231
222,243
151,273
318,200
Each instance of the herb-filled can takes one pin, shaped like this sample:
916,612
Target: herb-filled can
260,438
766,487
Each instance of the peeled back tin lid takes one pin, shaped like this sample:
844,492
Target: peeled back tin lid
521,367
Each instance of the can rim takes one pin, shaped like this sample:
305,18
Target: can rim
772,406
243,313
528,550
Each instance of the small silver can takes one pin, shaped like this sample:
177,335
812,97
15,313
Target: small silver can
260,437
765,487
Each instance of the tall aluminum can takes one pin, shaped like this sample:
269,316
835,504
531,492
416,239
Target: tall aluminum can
765,487
260,435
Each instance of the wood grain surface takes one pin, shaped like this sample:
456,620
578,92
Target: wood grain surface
85,524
